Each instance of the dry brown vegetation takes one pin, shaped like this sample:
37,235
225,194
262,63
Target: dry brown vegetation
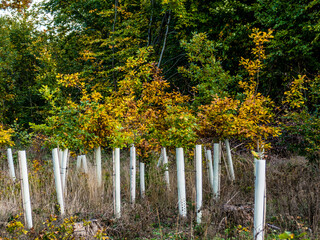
293,199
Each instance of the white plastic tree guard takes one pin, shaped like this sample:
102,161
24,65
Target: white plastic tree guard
181,182
166,171
84,164
210,168
133,174
229,157
60,156
11,164
164,160
63,169
56,169
79,159
25,188
216,170
199,181
97,153
142,179
160,158
259,199
117,182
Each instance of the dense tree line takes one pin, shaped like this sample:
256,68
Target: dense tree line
96,52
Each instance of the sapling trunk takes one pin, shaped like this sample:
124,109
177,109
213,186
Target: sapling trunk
117,183
133,174
97,152
259,199
56,169
199,181
230,162
25,188
11,164
142,179
181,182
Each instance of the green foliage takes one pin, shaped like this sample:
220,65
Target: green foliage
52,229
300,123
22,54
205,70
294,47
248,119
15,228
181,132
289,235
301,134
83,80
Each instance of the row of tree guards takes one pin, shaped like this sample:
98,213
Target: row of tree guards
60,166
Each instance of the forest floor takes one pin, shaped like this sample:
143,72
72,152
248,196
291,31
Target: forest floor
292,210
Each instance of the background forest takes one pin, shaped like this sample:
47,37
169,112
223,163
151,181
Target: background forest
60,58
161,73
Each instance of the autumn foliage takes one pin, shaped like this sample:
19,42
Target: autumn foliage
116,76
5,136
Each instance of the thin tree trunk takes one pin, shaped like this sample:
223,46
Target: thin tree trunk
165,39
114,77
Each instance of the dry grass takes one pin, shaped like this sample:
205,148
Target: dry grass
293,198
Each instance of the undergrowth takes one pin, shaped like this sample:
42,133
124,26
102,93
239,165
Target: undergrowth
292,202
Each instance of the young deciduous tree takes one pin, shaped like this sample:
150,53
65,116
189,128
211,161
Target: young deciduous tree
301,122
249,119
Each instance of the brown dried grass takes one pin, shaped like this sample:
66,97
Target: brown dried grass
293,197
